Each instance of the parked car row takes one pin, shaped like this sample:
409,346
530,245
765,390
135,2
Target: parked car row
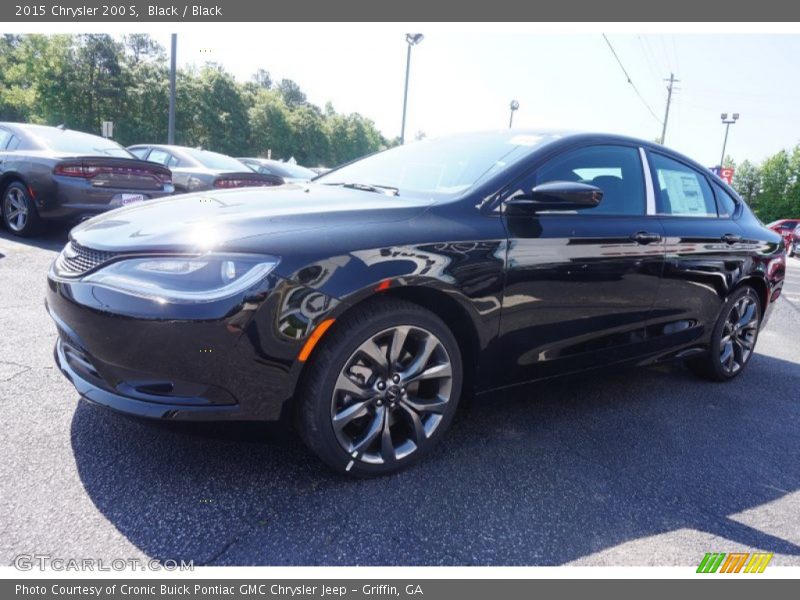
54,173
790,232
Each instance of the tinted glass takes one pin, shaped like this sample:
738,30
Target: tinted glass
444,166
75,142
680,190
159,156
213,160
617,170
726,204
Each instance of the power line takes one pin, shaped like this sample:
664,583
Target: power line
628,77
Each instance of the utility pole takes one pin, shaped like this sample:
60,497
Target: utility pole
171,125
672,81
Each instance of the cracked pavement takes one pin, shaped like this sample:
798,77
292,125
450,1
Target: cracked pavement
626,467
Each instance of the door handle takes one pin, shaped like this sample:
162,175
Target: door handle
646,237
731,238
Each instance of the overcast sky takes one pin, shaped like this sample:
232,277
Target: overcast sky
464,80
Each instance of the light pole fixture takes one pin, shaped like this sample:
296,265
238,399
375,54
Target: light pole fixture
727,122
172,62
513,106
412,39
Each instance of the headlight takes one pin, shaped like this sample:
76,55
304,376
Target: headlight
185,279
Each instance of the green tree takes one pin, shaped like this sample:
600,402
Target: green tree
747,181
291,92
776,176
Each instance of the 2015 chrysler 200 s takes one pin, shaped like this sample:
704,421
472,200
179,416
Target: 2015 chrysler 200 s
364,303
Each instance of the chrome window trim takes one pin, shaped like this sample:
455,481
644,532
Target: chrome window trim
648,184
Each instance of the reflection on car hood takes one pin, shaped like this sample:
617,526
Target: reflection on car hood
218,219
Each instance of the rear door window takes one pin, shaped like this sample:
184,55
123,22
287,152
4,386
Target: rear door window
139,152
726,204
160,156
681,190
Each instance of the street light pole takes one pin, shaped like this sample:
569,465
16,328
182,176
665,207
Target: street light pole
171,124
727,122
513,106
412,39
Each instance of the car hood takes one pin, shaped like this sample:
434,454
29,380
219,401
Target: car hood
232,219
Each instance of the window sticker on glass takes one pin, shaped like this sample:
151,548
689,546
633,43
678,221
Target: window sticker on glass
684,191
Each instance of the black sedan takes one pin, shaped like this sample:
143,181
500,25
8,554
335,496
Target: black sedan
363,305
57,173
195,170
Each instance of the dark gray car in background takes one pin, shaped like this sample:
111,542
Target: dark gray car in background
195,170
57,173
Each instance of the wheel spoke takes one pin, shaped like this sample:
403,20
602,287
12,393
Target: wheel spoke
348,386
376,356
748,314
387,447
374,429
398,341
418,430
746,342
727,353
434,372
421,406
355,410
421,359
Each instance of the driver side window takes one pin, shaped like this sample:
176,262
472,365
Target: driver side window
617,170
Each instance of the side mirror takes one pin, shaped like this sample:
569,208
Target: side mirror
556,195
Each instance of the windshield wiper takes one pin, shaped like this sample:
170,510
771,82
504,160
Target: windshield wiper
369,187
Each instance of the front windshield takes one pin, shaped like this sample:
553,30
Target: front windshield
216,161
75,142
445,166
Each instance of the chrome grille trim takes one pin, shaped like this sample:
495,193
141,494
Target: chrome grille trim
75,260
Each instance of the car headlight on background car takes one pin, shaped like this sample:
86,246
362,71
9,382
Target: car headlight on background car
177,279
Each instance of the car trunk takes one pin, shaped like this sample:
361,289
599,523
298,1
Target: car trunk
116,173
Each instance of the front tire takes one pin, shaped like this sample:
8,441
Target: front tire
381,389
733,339
19,213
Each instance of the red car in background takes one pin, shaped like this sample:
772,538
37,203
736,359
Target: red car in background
788,230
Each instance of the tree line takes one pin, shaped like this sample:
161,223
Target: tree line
82,80
771,188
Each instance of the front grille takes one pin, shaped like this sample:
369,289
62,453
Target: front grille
76,260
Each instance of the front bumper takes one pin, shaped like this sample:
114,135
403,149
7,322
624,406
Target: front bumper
92,390
231,362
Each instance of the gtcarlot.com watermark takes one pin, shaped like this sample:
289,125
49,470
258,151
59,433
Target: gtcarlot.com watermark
44,562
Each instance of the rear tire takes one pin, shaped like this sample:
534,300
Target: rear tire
734,338
19,212
380,390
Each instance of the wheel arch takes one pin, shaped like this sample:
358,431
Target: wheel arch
442,304
759,285
10,177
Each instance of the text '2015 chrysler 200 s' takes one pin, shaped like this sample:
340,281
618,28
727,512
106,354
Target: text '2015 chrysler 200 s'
363,304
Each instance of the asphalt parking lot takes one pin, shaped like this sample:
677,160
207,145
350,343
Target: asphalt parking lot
635,467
